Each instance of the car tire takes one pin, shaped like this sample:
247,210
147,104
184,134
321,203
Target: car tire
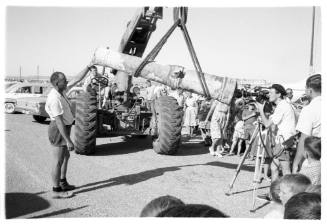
9,108
39,118
86,123
169,124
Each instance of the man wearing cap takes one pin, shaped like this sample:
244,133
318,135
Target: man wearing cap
284,118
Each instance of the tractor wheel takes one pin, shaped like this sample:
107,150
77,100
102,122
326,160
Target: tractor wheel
39,118
169,118
9,108
85,123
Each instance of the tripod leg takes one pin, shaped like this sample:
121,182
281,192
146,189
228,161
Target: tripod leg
247,150
258,169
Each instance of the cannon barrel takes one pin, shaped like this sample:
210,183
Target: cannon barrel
220,88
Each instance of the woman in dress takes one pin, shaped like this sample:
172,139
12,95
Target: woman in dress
191,110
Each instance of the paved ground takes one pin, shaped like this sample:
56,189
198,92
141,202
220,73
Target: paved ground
120,178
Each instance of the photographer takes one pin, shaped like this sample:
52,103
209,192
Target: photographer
284,118
310,117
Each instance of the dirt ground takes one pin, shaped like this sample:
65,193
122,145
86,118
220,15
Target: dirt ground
120,178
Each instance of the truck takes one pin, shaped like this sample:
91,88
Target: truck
129,116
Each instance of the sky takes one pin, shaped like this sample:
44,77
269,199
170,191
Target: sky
252,43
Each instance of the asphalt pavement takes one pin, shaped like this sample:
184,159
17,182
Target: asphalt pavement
120,178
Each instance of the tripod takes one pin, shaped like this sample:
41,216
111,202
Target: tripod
259,163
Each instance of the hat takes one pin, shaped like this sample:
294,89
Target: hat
280,89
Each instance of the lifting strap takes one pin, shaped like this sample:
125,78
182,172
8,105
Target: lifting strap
180,20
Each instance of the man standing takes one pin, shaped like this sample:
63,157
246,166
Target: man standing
284,118
93,74
59,109
309,122
150,95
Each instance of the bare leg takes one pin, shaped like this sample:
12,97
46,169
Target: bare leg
65,163
58,158
212,148
191,130
233,146
274,169
202,134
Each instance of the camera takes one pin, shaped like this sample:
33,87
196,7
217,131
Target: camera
258,94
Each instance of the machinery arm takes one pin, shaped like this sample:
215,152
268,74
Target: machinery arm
220,88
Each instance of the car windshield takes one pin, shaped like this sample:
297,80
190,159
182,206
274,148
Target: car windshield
11,88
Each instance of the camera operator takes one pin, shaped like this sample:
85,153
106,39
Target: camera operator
310,117
284,118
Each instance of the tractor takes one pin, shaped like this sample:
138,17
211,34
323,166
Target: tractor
127,113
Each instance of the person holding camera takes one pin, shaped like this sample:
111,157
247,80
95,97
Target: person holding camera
284,118
309,122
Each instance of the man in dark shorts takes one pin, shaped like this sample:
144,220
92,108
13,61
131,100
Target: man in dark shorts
59,109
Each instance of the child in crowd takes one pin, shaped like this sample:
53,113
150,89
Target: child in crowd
277,212
311,167
238,137
203,126
292,184
303,206
157,205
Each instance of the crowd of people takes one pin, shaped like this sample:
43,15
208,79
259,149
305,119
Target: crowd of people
295,191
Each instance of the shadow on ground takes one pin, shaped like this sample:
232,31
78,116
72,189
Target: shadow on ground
135,178
59,212
131,144
46,122
18,204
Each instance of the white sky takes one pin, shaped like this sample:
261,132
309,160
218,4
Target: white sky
261,43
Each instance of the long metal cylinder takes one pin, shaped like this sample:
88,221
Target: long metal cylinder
220,88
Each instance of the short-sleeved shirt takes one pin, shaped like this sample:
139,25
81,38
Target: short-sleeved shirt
312,170
284,118
150,95
251,120
310,118
58,104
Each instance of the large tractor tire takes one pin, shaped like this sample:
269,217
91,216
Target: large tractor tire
169,125
85,123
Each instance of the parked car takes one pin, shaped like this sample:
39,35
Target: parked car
22,90
36,105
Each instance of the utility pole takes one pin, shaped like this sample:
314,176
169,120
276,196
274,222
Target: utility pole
20,72
38,72
312,69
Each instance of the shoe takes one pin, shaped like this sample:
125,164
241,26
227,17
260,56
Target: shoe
218,154
65,186
62,194
265,197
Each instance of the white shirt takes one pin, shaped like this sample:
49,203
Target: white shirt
178,97
284,118
150,93
310,118
58,104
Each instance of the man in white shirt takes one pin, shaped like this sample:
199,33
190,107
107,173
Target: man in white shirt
59,109
150,94
93,74
309,122
284,118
